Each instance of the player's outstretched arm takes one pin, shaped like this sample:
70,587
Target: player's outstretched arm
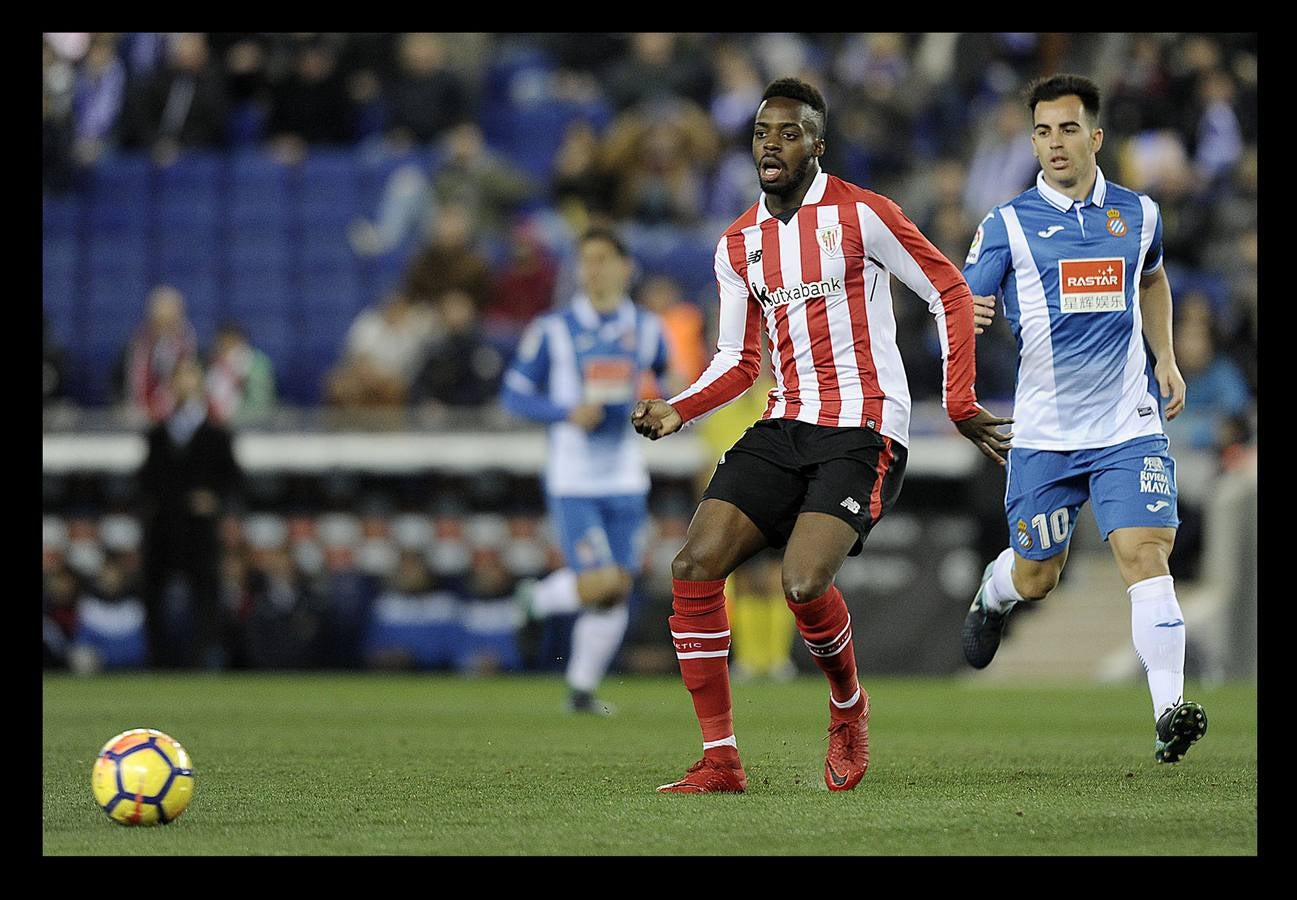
655,418
983,430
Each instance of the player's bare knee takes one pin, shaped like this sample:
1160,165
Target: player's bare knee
803,587
1145,559
694,563
1035,582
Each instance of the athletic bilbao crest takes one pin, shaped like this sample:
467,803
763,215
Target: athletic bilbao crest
830,238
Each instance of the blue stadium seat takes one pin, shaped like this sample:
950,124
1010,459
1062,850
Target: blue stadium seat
187,247
330,292
61,252
193,169
119,176
254,290
257,247
59,302
128,213
119,293
61,216
204,300
197,206
245,125
325,248
249,209
112,251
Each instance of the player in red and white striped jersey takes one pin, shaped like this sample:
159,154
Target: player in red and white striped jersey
810,265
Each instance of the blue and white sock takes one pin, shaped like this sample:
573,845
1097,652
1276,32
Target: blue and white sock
999,594
556,594
1157,628
595,639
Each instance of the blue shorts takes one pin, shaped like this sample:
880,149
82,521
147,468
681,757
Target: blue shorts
1132,485
595,532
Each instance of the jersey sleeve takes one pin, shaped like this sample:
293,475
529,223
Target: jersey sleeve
737,362
1153,258
905,252
524,390
989,258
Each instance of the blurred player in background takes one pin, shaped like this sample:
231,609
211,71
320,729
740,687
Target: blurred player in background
812,261
579,371
1078,262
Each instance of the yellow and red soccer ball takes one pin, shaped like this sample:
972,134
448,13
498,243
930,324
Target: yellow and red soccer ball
143,777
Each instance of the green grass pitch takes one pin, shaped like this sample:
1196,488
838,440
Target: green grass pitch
294,764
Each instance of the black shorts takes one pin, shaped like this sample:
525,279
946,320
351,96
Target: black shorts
781,468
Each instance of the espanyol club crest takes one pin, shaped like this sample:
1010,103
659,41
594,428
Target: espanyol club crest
830,238
1116,224
1023,537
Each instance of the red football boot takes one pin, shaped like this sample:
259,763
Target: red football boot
848,756
709,776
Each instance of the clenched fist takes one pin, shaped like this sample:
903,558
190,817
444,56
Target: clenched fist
655,418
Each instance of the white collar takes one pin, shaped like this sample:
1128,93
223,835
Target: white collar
590,318
1062,202
814,194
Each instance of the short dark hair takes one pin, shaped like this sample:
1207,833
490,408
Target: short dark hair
1055,86
796,89
604,233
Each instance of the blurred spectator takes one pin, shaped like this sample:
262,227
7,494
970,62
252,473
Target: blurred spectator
1003,165
1217,393
579,185
426,97
461,368
240,379
682,327
659,154
53,368
188,476
160,345
738,93
58,615
183,105
1218,138
661,65
110,622
56,120
384,349
449,261
524,288
97,98
474,176
283,619
310,105
470,175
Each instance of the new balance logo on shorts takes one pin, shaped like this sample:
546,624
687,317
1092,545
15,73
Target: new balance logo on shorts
851,505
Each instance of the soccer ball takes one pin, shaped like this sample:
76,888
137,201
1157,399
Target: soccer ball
143,777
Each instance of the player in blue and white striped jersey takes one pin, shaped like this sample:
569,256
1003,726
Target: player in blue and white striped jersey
579,370
1077,262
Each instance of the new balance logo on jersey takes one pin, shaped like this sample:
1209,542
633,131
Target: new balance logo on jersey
1156,507
804,291
851,505
1050,231
754,257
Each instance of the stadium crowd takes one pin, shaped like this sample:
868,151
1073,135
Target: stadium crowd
487,155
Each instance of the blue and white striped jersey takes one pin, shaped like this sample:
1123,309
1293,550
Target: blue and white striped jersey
1068,273
577,356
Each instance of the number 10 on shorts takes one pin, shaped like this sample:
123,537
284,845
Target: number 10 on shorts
1058,522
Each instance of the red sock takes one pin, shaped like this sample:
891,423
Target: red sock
825,625
700,630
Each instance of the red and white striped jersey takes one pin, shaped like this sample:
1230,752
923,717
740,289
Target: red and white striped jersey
821,283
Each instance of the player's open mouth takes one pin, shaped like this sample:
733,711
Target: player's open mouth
770,169
1058,161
